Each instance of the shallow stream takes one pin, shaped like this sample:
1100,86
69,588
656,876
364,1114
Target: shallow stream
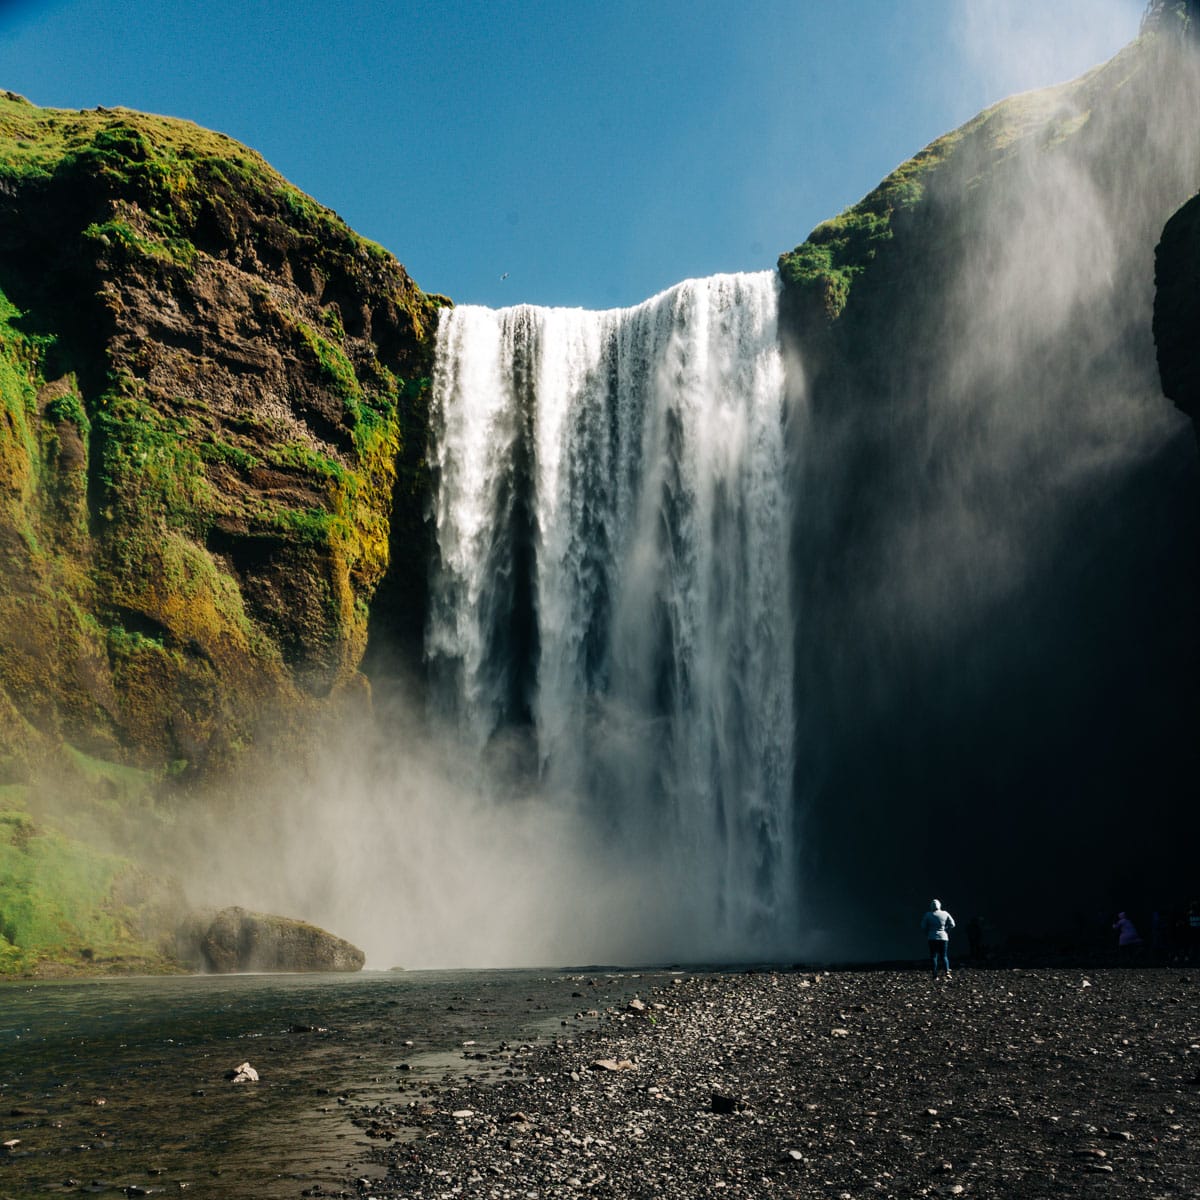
120,1086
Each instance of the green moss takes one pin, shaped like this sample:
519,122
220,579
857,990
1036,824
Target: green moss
150,471
217,451
69,407
314,526
171,170
333,320
21,357
124,643
130,785
55,898
839,250
335,367
167,248
299,456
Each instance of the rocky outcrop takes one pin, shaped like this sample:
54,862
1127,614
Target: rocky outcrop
237,940
213,409
1177,308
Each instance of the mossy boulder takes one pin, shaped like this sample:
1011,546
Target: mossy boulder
238,940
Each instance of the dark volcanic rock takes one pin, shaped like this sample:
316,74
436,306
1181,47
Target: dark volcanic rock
1177,308
238,940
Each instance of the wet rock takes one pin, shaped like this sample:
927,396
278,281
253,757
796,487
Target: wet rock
238,940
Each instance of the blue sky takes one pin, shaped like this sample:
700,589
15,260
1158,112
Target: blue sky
596,152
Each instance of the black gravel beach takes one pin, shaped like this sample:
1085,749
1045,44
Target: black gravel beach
1035,1082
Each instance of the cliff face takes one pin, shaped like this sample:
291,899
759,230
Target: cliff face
213,391
999,651
212,427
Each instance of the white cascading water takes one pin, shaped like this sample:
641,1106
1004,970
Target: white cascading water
611,594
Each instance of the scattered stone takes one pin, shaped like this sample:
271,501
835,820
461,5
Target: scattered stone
1017,1056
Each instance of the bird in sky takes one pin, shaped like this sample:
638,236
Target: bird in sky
504,276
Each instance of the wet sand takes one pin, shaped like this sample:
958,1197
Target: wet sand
1043,1082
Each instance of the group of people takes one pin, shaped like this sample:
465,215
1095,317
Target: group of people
937,923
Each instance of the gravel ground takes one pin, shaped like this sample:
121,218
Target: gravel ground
1002,1082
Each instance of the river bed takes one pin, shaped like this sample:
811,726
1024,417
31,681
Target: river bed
121,1086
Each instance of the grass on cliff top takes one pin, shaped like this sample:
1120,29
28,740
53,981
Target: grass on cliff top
840,250
164,162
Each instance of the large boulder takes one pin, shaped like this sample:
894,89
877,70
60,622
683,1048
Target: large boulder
238,940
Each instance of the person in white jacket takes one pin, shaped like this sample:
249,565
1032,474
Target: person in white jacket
936,925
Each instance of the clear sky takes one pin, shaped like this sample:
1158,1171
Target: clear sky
595,151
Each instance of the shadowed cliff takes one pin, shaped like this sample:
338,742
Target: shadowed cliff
996,521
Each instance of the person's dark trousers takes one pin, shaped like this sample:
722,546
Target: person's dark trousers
939,954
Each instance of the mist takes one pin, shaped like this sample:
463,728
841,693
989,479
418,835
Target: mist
1021,44
388,835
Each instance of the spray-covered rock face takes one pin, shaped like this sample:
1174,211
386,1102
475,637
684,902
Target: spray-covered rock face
997,651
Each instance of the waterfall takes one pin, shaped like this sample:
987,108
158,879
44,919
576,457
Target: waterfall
611,592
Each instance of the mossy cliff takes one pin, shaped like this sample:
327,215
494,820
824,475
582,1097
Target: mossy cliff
212,424
208,384
996,509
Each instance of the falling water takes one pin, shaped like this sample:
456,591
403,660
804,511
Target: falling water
611,596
